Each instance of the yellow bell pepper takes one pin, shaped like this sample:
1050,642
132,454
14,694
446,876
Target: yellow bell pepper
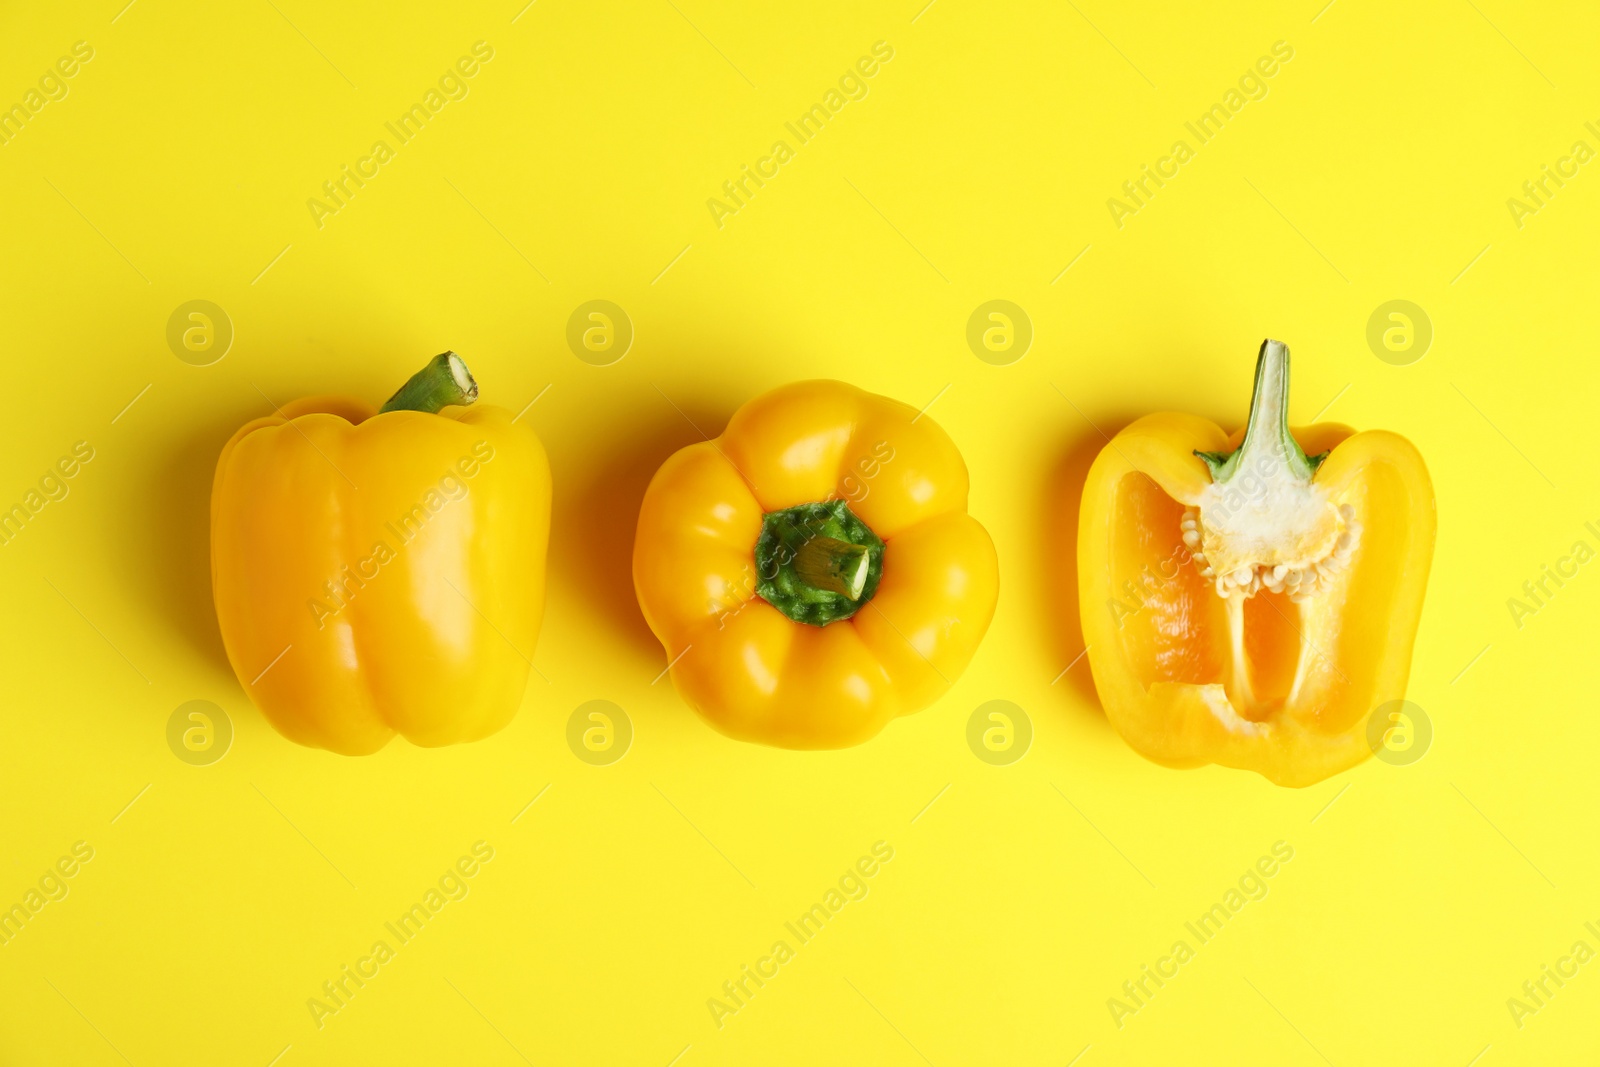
382,571
813,573
1252,602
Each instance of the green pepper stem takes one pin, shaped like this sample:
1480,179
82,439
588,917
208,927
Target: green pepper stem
834,565
444,381
817,563
1266,434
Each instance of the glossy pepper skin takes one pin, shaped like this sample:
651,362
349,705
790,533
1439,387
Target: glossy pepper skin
383,573
1199,661
806,457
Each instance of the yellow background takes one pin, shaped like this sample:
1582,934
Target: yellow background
978,167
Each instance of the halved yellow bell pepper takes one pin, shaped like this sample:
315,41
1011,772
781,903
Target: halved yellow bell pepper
1251,601
382,572
813,573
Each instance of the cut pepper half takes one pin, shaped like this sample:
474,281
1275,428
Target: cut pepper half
1250,600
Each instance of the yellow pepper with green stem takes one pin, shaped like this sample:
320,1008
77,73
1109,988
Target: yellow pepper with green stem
813,573
382,572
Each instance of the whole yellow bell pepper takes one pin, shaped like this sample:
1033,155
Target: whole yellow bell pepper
1252,602
813,573
382,572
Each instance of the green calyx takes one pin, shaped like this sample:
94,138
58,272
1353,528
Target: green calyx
817,563
444,381
1267,434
